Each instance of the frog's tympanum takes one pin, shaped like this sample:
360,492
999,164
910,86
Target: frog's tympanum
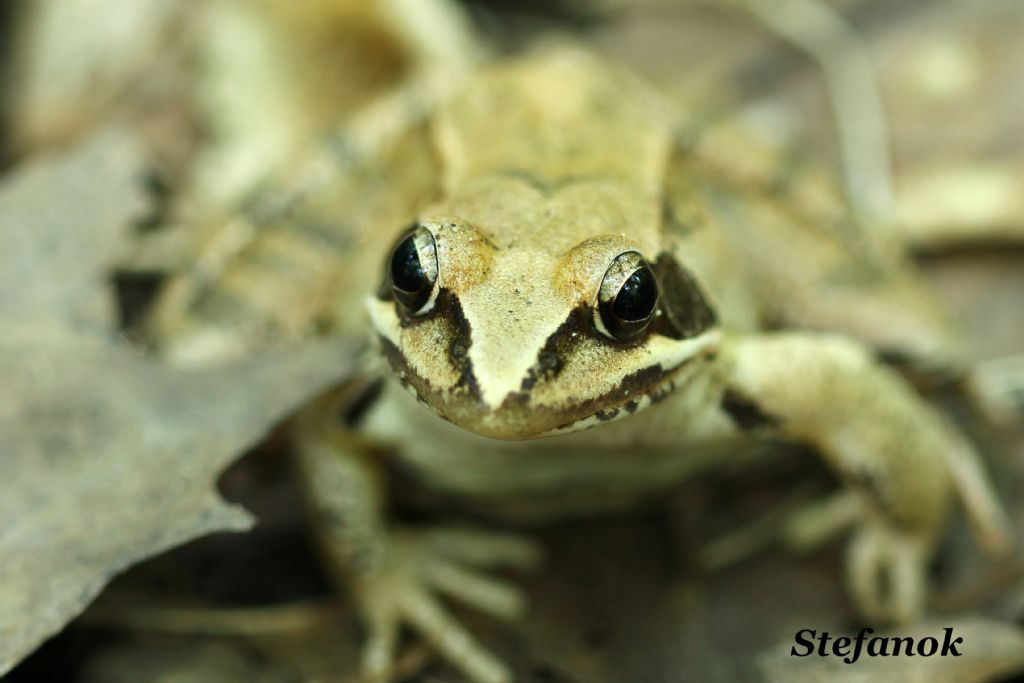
569,300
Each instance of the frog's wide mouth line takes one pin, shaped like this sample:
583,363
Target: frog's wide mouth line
662,384
517,420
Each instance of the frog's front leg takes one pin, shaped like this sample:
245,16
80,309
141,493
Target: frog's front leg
394,574
901,459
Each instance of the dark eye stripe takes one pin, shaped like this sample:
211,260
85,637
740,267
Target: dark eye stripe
686,311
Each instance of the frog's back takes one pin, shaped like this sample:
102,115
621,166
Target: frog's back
559,114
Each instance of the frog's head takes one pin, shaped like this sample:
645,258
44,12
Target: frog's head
513,341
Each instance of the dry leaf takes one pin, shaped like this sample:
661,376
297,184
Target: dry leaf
108,457
62,220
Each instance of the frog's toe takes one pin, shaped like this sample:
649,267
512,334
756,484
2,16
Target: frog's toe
403,589
480,548
413,603
800,526
429,617
493,596
886,572
381,642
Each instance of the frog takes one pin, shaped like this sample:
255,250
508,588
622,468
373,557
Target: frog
574,303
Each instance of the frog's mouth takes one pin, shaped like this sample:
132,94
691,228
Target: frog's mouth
538,411
635,393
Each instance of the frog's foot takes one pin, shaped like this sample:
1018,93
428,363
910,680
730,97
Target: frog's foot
885,566
800,526
886,571
403,588
997,387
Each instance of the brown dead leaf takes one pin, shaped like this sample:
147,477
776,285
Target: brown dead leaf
108,457
62,219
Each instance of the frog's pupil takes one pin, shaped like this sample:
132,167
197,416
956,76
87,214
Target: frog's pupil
636,300
406,270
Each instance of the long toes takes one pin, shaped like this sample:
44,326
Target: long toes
886,576
866,583
814,524
486,548
379,651
453,641
908,583
492,596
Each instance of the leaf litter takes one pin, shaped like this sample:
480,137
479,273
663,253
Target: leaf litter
108,457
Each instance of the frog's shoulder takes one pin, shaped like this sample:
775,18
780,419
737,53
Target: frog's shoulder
297,259
807,259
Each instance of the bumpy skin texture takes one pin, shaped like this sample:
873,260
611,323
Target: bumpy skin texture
505,388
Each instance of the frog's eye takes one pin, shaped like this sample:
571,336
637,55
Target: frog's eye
413,270
627,299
